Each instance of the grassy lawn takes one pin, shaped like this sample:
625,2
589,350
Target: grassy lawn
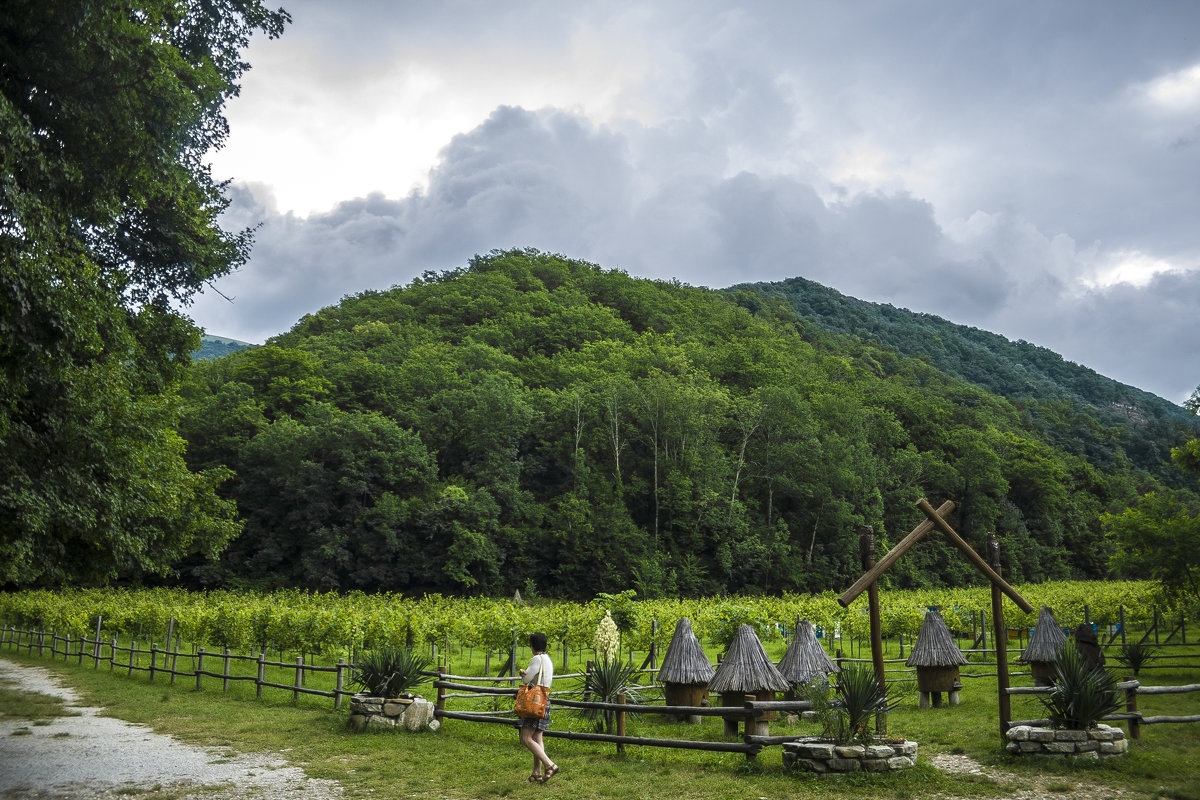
468,760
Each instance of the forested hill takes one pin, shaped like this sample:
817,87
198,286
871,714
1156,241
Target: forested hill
536,423
217,346
1071,405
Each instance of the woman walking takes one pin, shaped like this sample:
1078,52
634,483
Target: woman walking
540,672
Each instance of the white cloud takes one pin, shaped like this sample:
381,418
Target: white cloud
988,163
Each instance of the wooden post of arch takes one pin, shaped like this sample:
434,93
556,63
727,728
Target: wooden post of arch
999,586
1001,635
866,544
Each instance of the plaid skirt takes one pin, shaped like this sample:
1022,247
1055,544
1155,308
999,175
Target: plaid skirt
542,724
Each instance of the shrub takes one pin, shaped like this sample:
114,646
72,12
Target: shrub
1083,693
845,709
605,681
1135,655
390,671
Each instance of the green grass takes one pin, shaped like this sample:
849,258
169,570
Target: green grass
466,760
38,708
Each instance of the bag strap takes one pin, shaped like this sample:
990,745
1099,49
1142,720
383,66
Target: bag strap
541,669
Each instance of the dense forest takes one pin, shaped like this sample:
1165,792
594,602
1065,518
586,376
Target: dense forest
1070,405
536,423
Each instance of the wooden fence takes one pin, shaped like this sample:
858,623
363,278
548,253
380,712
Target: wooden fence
1132,689
166,662
752,713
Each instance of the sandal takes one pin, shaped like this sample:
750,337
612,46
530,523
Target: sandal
550,773
534,778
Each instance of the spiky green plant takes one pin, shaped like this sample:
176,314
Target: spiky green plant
1135,655
390,671
606,680
1083,694
845,709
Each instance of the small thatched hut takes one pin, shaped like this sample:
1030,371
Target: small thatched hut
937,659
747,670
805,659
1045,643
685,671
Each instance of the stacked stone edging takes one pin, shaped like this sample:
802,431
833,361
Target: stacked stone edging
1102,741
823,756
412,713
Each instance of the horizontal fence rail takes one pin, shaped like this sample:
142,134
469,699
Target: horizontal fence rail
750,713
1132,689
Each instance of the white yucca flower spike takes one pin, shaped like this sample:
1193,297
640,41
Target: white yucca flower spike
608,641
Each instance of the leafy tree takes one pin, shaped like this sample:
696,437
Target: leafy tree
584,432
108,220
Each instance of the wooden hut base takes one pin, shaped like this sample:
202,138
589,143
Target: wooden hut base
760,725
933,681
1042,672
681,694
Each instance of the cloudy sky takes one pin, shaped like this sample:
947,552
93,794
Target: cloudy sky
1031,168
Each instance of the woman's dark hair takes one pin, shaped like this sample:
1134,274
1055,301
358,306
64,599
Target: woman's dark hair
537,642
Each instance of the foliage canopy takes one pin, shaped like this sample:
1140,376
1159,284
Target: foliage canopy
108,219
531,421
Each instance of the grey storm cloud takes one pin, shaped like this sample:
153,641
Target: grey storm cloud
1011,149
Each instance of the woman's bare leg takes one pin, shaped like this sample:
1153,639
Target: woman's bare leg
532,741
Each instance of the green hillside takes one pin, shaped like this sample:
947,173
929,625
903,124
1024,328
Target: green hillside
536,423
217,346
1072,406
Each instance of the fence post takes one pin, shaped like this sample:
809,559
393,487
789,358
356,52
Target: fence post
1156,624
174,657
1131,706
299,678
112,654
96,652
199,665
337,689
621,725
1122,623
441,695
225,673
66,646
153,659
262,673
132,650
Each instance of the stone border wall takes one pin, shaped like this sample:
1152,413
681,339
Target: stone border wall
413,713
1102,741
823,756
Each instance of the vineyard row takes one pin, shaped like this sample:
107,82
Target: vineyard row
334,624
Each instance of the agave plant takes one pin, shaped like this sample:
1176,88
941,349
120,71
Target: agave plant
846,708
390,671
1083,693
605,681
1135,655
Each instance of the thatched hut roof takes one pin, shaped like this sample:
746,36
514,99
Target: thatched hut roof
685,661
746,667
805,659
1046,640
935,646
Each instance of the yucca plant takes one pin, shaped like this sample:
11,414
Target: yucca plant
846,708
605,681
390,671
1083,693
1135,655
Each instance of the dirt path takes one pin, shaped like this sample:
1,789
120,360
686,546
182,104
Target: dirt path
1040,787
91,756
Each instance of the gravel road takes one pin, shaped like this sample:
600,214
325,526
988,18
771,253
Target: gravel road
90,756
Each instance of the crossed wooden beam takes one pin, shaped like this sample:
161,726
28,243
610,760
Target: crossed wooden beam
936,519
